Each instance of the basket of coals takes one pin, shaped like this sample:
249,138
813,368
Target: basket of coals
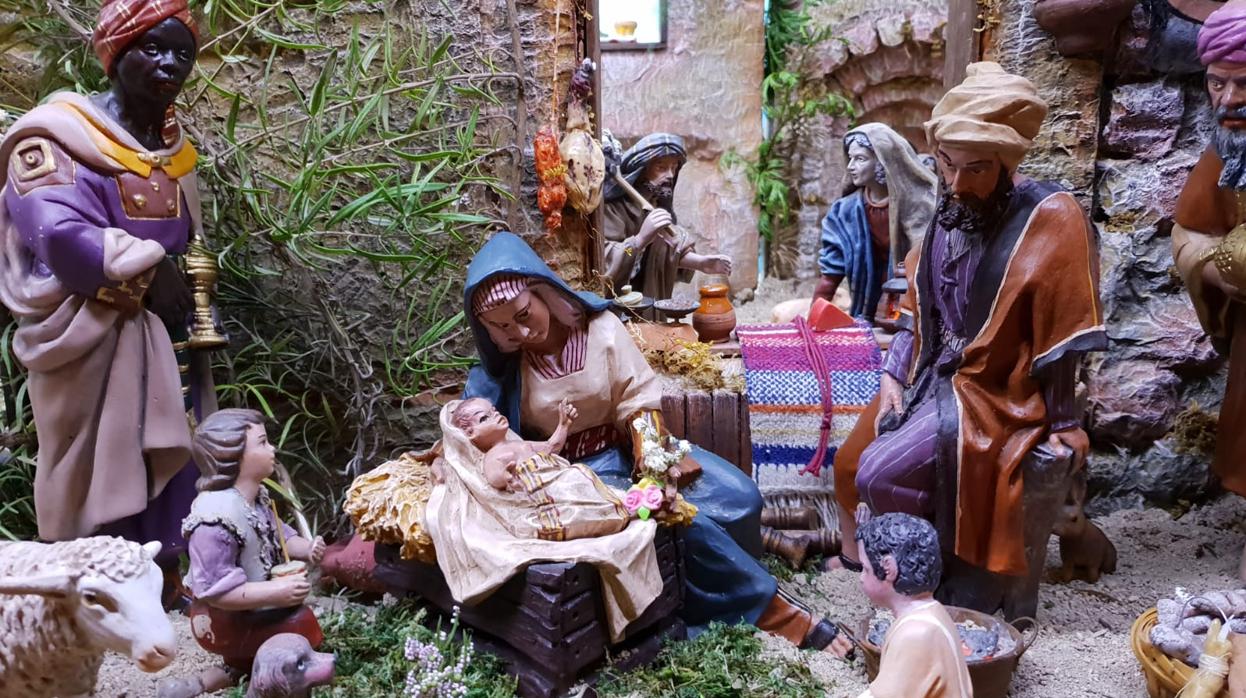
1185,642
992,647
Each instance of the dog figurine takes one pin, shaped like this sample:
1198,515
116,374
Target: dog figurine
1085,552
287,667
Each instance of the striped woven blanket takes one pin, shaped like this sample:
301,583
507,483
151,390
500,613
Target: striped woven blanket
785,406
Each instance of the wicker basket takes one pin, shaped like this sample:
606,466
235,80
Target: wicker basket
1165,676
991,677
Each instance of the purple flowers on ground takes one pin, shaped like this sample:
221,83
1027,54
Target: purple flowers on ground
440,665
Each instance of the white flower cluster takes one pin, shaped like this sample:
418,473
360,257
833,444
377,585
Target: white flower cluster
659,457
441,667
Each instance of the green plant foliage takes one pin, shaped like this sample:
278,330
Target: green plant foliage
781,570
788,101
17,460
347,172
369,644
723,662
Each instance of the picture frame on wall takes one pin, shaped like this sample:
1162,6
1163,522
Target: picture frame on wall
632,25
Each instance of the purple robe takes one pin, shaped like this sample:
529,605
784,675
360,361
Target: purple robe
69,202
897,470
61,226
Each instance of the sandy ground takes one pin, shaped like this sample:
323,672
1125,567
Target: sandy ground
769,292
1082,650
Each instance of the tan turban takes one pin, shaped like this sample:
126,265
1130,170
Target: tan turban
990,110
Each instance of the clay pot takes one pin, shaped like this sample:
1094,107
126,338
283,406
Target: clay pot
1082,26
715,318
352,564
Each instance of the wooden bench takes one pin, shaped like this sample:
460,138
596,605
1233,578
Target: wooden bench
548,624
1048,479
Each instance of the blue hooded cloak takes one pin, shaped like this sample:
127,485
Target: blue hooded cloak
848,251
724,581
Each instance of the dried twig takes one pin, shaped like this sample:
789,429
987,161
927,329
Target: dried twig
61,11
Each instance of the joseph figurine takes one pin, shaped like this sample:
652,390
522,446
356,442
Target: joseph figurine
1208,242
1003,301
647,250
99,197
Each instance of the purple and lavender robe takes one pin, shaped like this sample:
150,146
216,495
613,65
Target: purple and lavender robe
86,213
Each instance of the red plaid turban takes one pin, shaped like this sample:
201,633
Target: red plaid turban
123,21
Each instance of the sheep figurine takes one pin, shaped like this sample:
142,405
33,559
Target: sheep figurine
62,605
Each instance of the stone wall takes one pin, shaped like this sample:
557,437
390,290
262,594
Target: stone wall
702,86
1123,133
887,58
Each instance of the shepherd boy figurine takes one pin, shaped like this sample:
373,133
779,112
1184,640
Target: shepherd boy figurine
922,653
246,589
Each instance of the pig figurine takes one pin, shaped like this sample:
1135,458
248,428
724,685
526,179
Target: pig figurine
1085,552
286,667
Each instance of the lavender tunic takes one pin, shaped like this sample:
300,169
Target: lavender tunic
214,568
63,226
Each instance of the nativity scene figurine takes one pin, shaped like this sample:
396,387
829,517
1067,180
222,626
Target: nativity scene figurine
901,568
985,367
644,246
248,570
1209,235
887,207
100,202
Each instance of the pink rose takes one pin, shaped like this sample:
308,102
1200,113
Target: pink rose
633,500
652,498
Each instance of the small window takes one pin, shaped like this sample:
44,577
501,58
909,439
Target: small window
632,24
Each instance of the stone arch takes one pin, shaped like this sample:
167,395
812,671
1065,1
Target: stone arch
891,67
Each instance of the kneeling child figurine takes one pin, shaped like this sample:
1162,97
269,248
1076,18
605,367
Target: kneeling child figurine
245,591
922,653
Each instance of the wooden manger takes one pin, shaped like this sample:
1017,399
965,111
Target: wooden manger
548,624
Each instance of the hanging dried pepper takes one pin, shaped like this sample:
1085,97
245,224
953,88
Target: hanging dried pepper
552,194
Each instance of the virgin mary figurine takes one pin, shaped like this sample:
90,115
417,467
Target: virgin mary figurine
540,343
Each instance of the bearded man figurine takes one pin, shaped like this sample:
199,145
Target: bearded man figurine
647,250
1208,238
99,200
1003,300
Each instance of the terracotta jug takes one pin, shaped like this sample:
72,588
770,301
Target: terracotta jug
1082,27
715,318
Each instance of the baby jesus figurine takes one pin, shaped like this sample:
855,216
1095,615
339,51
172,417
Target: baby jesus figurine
554,499
902,563
503,449
501,504
246,590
